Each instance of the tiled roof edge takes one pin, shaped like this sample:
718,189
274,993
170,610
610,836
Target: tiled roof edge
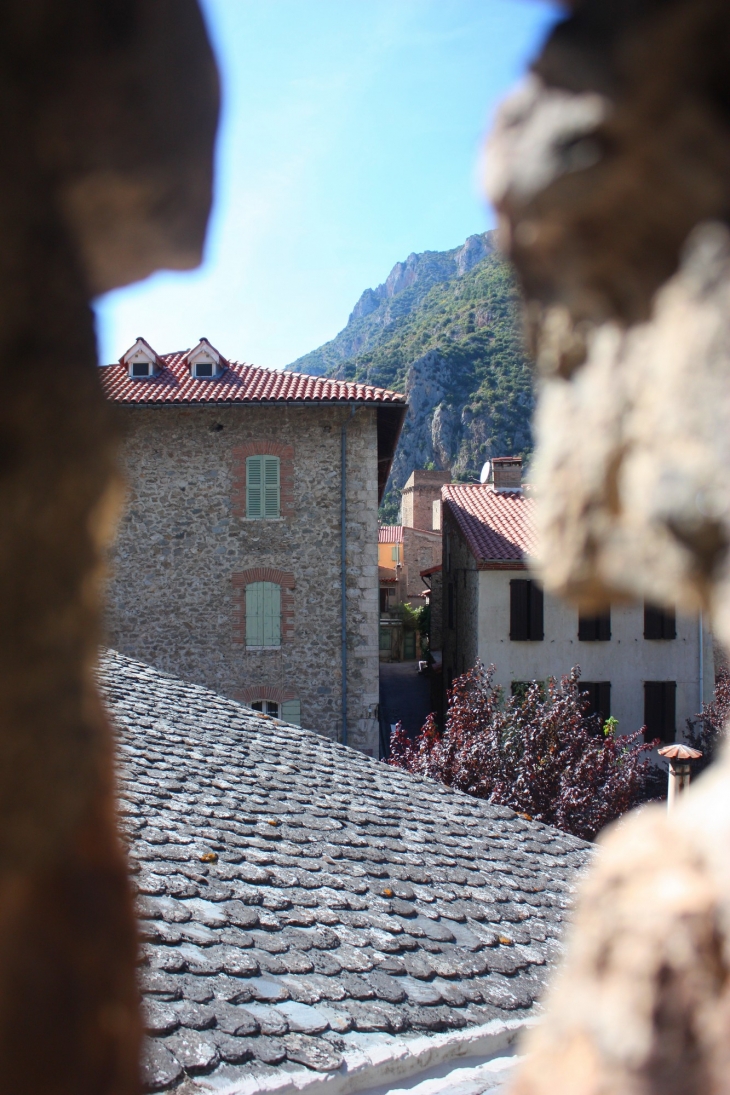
388,1063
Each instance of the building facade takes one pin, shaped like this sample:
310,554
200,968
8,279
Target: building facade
404,551
227,570
642,665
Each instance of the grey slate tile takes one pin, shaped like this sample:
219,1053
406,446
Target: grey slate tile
295,897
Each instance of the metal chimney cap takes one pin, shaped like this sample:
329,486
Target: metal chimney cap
676,751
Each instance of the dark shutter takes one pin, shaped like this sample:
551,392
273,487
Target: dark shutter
537,630
660,709
595,628
669,625
519,626
659,623
670,710
451,604
599,698
603,699
525,611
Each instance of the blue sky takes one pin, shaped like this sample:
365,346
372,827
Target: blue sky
350,137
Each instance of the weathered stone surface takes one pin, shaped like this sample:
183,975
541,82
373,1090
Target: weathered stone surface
181,465
204,774
610,168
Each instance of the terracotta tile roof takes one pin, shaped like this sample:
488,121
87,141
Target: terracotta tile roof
239,383
496,525
387,574
390,534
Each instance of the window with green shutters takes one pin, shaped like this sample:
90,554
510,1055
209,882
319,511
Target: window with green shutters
291,712
263,486
263,614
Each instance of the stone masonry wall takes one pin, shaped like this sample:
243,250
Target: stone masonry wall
422,489
184,548
420,551
460,642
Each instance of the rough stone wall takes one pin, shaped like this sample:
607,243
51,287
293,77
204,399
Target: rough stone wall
460,642
420,551
422,489
175,596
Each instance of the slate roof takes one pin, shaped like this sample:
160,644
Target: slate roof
297,898
497,525
239,383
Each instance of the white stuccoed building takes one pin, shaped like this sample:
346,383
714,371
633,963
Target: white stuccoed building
640,664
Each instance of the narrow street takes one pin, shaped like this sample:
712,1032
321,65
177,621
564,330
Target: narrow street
405,696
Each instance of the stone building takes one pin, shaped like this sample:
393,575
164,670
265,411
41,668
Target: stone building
404,551
421,498
640,664
228,567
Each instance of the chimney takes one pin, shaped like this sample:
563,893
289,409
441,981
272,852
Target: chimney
507,473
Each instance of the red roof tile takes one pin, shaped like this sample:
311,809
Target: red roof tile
497,525
239,383
390,534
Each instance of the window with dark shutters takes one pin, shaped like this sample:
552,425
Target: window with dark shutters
599,698
659,623
593,629
660,706
526,611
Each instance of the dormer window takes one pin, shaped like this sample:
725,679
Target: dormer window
203,368
140,360
204,361
142,368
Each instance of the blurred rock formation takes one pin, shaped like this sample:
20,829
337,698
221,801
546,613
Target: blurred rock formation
610,169
108,122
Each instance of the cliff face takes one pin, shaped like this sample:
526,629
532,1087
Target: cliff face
377,309
444,328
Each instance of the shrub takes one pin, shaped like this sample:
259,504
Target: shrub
708,730
539,752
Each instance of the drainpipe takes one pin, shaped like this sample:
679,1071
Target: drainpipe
702,667
343,568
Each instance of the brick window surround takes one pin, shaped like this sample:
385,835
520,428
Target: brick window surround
286,470
265,692
282,578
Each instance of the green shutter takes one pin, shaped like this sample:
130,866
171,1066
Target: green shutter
263,492
263,614
271,486
272,614
253,486
291,712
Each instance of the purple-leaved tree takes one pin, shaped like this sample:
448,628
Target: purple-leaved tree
540,753
708,730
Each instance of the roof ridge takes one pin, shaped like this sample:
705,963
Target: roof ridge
239,382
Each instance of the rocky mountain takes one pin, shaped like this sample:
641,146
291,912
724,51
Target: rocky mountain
444,328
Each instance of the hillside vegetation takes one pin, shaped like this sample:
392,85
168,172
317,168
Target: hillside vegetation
451,339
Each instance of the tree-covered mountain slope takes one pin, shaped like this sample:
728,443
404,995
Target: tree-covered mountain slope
445,328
